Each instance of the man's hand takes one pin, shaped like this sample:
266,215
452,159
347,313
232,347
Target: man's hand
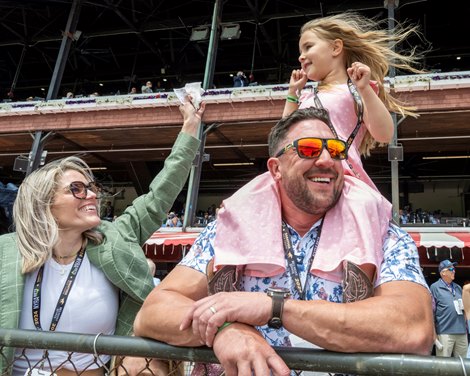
210,313
243,352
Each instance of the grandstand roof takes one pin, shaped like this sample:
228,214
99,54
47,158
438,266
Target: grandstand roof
125,43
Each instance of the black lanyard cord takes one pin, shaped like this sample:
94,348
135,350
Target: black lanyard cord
36,306
290,257
360,111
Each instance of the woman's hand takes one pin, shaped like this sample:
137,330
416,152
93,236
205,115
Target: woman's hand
192,117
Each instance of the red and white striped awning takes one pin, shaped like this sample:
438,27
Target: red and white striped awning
170,244
172,238
439,237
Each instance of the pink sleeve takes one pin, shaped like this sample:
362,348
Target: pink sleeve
375,86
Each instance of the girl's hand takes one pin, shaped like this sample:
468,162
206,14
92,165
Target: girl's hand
359,74
298,79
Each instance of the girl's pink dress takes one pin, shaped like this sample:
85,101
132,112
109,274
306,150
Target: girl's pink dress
249,224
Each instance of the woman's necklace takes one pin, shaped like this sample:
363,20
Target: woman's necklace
65,257
63,266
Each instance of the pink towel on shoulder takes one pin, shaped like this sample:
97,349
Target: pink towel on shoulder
249,228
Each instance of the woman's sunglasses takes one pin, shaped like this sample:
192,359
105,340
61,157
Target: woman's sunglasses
312,147
80,189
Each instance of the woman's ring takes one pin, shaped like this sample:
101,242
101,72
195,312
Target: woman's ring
212,309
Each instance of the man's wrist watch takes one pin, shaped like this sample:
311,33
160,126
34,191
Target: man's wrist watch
278,295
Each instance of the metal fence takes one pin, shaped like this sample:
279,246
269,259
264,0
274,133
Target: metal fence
295,358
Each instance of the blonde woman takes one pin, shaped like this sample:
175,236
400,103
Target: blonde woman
66,270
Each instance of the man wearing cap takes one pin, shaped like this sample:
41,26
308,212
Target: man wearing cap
449,315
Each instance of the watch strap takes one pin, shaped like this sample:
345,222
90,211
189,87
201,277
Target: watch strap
278,305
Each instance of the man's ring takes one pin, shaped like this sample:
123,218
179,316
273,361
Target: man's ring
212,309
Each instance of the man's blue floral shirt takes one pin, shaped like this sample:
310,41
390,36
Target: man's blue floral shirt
401,263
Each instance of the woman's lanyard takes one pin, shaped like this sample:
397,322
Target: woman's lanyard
360,111
36,307
292,265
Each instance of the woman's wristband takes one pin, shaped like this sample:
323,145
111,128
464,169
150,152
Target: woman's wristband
223,326
292,99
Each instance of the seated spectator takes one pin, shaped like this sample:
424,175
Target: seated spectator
133,90
240,80
173,220
252,82
147,88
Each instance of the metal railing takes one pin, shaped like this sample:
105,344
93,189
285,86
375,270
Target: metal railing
295,358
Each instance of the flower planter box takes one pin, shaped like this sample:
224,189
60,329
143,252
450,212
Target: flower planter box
250,95
421,85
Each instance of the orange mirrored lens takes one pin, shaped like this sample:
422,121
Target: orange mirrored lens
310,147
336,149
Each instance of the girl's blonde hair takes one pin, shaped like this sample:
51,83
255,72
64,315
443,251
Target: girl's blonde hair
36,228
365,41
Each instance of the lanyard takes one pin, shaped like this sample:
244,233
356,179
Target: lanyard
36,307
360,111
292,265
449,287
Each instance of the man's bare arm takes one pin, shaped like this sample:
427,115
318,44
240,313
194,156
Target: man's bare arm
162,312
398,319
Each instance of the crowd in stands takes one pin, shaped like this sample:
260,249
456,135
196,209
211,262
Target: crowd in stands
409,216
202,218
147,87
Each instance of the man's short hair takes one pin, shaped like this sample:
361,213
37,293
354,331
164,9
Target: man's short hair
279,131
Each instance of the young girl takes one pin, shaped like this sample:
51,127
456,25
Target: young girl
343,53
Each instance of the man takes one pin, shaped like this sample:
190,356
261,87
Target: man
240,80
227,321
449,315
147,88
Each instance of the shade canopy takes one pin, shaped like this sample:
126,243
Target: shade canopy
434,244
440,237
170,244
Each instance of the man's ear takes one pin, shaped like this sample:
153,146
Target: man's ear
274,167
337,47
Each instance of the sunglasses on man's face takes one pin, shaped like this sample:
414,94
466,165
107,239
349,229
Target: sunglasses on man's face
312,147
80,189
451,269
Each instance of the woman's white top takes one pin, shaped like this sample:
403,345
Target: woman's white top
91,308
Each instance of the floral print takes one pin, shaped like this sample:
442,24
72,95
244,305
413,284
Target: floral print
401,263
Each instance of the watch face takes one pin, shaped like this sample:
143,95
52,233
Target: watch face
275,323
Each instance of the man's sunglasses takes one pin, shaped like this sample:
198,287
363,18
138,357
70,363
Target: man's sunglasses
451,269
312,147
80,189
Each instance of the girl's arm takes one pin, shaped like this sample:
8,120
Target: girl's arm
298,79
377,118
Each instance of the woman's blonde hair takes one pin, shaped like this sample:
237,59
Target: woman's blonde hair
365,41
36,228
